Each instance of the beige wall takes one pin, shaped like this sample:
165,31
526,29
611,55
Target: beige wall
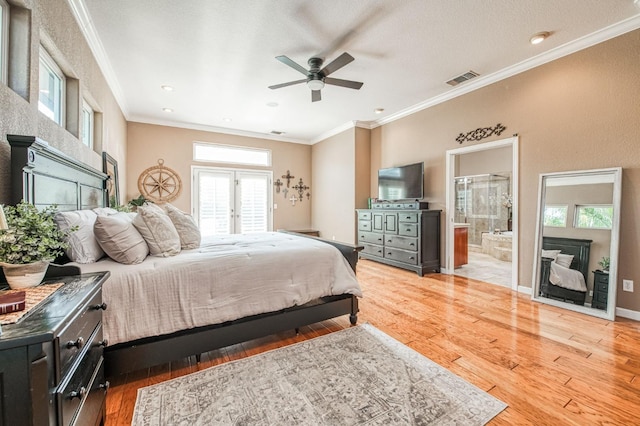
53,23
334,166
579,112
488,161
148,142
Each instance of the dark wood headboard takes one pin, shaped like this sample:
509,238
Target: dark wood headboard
43,176
580,249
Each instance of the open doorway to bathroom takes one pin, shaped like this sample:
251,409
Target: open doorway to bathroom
481,234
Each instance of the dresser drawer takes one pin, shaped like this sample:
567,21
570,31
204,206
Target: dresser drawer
370,237
602,286
364,225
364,215
373,250
408,229
406,243
77,333
408,217
410,257
76,387
600,296
601,279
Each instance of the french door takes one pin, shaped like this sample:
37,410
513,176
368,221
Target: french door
229,201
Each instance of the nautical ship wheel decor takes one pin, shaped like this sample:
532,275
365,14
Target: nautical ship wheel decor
159,183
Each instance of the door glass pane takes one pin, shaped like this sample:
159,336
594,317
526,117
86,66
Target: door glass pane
253,203
214,209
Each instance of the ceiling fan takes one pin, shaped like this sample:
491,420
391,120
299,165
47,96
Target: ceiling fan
317,77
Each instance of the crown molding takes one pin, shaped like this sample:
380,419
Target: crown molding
214,129
604,34
88,30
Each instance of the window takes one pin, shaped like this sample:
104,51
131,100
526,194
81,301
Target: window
231,154
555,216
4,37
51,97
594,216
87,125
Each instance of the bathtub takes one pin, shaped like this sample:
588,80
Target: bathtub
498,245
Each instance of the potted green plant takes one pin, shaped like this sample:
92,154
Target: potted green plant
29,241
604,264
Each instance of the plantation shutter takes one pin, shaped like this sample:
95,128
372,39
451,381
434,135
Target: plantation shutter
254,214
215,208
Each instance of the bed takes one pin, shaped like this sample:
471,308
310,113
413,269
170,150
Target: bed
579,264
44,176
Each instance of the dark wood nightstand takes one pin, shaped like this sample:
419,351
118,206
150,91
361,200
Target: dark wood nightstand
600,289
51,363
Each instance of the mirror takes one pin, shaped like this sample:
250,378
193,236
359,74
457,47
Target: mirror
577,237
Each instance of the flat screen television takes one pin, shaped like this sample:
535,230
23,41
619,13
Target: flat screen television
401,183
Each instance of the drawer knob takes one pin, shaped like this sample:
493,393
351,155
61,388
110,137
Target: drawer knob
78,343
80,393
104,385
102,306
411,244
103,343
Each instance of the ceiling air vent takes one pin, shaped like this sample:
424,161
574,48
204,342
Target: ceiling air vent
277,132
462,78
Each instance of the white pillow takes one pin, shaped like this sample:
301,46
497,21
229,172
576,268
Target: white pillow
185,225
120,239
83,246
564,260
157,230
552,254
104,211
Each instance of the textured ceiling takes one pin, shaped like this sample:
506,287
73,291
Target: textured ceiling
219,55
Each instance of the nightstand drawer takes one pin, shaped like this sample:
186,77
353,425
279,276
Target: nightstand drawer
370,237
601,279
76,335
408,229
602,287
404,256
600,297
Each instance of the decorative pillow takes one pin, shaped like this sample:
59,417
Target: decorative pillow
83,246
185,225
120,239
564,260
157,230
552,254
104,211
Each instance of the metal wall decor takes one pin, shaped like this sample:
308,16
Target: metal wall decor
159,183
288,177
301,188
278,183
481,133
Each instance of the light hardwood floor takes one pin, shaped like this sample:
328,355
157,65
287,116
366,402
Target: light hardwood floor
551,366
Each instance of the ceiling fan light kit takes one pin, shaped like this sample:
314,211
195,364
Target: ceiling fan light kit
317,77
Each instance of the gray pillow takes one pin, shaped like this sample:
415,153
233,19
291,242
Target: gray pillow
186,227
120,239
83,246
157,230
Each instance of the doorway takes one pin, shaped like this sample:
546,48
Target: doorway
482,206
232,201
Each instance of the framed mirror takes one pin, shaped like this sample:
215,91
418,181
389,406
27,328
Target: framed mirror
577,236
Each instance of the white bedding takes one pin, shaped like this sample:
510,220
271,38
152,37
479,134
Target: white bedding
567,278
226,278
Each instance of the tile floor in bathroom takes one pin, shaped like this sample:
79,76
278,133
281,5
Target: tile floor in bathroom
486,268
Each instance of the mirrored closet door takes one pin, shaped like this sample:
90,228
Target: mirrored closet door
577,240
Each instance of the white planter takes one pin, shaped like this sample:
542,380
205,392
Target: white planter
25,275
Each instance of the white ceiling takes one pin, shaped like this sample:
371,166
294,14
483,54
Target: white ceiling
219,55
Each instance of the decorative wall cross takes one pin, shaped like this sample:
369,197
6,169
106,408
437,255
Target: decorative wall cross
288,177
300,187
278,183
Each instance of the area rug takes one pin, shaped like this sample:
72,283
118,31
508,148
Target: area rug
355,376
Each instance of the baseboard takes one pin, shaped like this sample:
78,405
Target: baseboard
628,313
524,290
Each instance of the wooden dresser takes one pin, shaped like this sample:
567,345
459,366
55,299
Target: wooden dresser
406,238
51,363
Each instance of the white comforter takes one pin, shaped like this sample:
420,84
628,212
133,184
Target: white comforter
567,278
227,278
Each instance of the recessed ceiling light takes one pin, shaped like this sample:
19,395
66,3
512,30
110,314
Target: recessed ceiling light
167,88
272,104
227,120
539,37
378,110
167,109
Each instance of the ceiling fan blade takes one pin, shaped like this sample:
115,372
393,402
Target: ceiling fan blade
337,63
290,83
315,96
285,60
343,83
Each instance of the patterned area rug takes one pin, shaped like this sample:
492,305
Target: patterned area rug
355,376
